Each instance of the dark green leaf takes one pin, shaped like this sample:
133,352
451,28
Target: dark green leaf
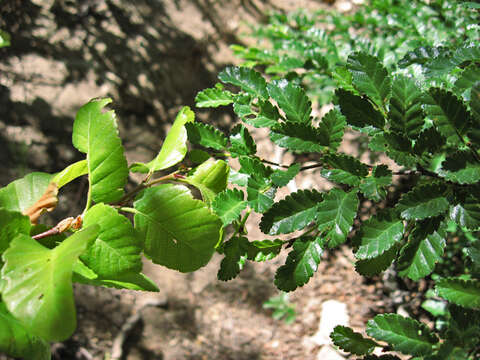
332,126
379,234
180,232
375,266
448,113
95,133
351,341
344,169
213,97
263,250
117,248
461,167
260,193
206,135
370,77
429,140
406,114
267,117
373,186
281,178
17,341
246,79
358,110
302,262
299,137
228,205
293,213
243,106
465,293
292,100
234,250
405,335
253,166
335,215
467,79
242,142
475,103
423,201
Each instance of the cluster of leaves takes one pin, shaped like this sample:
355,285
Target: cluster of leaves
312,49
425,125
38,265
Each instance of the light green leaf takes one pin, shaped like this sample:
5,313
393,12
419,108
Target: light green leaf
228,205
332,126
70,173
12,223
38,283
359,111
418,258
281,178
210,178
379,234
351,341
95,133
406,114
370,77
293,213
335,215
4,39
117,248
449,114
373,186
242,142
405,335
467,213
299,137
465,293
302,262
206,135
174,147
213,98
17,341
180,232
423,201
246,79
292,100
21,194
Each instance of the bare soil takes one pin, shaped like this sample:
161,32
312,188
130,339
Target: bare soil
152,57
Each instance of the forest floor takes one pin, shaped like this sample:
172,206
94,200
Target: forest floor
152,58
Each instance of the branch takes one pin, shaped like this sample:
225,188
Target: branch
61,227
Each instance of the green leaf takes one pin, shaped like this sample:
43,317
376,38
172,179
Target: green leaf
379,234
465,293
370,77
117,248
421,55
423,201
302,262
253,166
242,142
475,102
446,62
180,232
228,205
38,283
448,113
70,173
263,250
281,178
418,258
332,127
373,186
358,110
4,39
243,106
335,215
213,97
404,334
17,341
206,135
461,167
375,266
260,193
344,169
174,147
406,113
299,137
21,194
246,79
267,117
210,178
12,223
467,79
293,213
95,133
351,341
343,78
234,250
429,140
467,213
292,100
